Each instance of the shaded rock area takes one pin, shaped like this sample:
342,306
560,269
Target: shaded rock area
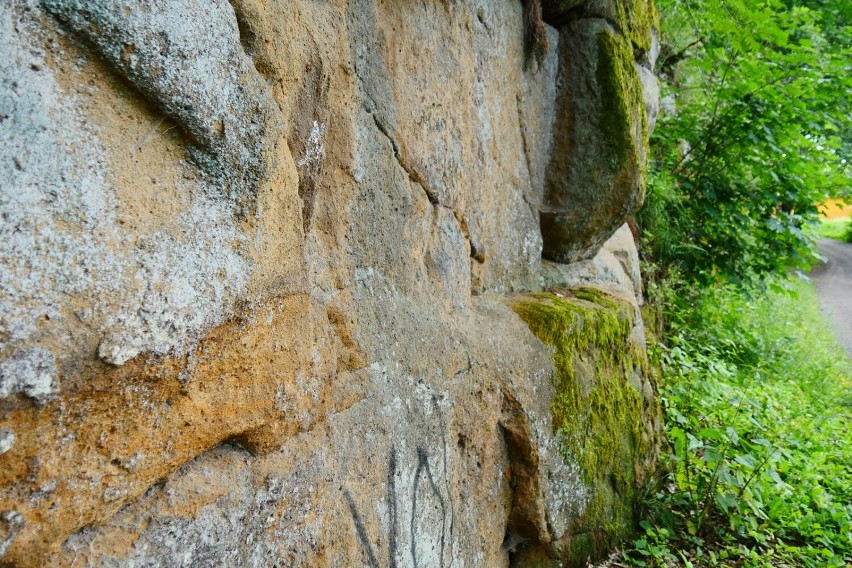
606,104
615,268
271,276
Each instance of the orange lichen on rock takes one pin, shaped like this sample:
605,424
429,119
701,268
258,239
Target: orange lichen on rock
81,458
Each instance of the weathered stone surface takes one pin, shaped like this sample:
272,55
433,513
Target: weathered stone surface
595,178
255,265
110,237
607,106
186,57
31,372
615,268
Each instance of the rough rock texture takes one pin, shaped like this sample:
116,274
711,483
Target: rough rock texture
615,268
260,269
596,175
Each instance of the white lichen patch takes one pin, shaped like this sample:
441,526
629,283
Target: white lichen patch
31,372
62,241
11,523
314,151
189,284
7,440
186,57
51,180
566,496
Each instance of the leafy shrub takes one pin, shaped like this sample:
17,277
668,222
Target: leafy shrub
759,417
755,135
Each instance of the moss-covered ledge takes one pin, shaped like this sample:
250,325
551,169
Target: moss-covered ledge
604,411
636,19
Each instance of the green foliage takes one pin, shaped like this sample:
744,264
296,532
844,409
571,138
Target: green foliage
760,136
758,404
755,389
837,229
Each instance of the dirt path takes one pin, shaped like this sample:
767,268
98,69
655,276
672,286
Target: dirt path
834,284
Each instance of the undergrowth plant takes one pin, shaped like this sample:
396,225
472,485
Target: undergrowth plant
837,229
759,416
754,134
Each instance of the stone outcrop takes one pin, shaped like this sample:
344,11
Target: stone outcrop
604,416
271,283
605,107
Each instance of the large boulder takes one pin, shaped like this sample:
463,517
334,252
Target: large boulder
596,175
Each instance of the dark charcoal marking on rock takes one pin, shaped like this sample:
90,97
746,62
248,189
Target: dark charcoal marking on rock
414,514
423,466
394,528
445,446
421,454
359,528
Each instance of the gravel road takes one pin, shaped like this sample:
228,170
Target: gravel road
834,285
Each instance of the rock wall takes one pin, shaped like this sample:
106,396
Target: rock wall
271,282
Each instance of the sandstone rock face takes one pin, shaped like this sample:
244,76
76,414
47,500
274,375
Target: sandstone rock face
261,266
615,268
606,105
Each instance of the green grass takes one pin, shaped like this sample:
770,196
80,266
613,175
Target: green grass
837,229
758,403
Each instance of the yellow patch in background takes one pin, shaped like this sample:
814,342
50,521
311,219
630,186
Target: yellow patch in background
835,209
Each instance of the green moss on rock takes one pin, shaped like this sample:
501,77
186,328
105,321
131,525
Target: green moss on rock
639,19
622,119
635,19
597,413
